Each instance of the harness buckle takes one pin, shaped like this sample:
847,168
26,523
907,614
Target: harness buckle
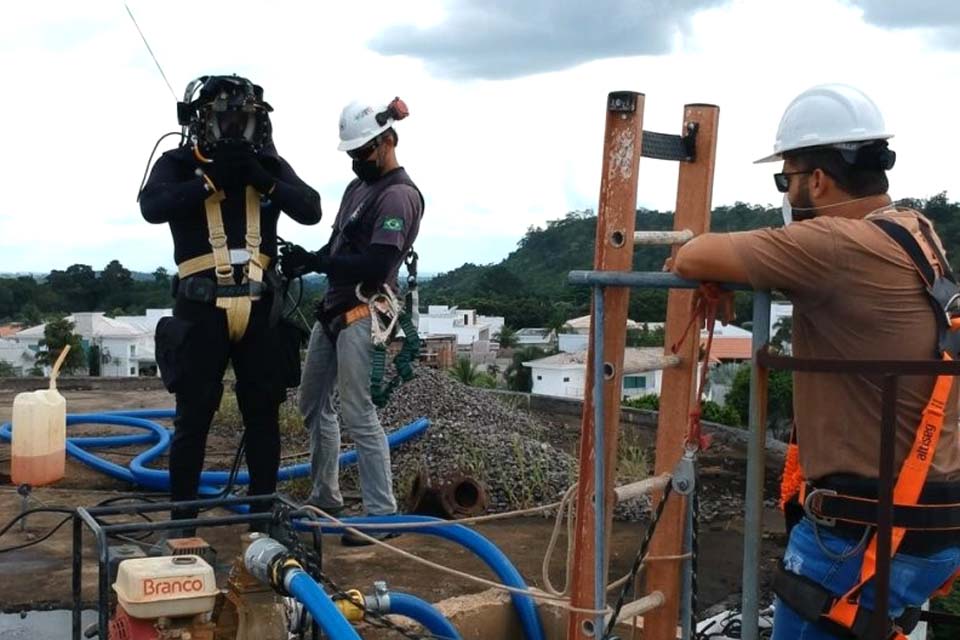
812,503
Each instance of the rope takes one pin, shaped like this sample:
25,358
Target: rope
384,311
534,593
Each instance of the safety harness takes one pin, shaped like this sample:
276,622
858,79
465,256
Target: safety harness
386,312
236,300
828,507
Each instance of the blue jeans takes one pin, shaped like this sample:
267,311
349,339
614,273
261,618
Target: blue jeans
912,579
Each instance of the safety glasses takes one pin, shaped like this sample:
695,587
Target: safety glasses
782,180
364,152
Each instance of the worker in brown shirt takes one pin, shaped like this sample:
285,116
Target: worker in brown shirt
857,295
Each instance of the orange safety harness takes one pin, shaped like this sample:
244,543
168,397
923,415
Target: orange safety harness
944,295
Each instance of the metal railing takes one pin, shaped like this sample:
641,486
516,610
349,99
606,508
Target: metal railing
763,360
753,517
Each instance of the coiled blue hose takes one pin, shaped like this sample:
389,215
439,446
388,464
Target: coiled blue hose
138,472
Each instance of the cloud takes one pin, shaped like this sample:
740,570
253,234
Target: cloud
941,17
905,15
496,39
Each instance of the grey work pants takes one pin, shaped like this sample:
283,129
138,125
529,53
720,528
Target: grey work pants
345,367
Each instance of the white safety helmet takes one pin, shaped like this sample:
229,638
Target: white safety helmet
361,122
828,115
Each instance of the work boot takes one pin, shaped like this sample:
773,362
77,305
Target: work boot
336,512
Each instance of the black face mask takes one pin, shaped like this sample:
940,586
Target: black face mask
366,170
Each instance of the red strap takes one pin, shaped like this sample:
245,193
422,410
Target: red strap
706,307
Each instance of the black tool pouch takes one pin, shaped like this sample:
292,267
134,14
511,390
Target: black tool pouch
171,348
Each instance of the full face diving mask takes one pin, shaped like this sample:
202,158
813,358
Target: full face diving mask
229,110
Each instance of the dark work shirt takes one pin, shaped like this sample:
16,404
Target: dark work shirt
393,220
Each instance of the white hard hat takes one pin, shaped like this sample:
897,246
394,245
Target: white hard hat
828,114
361,122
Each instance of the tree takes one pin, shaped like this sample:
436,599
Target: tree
57,334
6,369
645,337
161,277
783,334
779,399
648,401
94,364
76,287
485,380
519,377
464,371
507,337
30,315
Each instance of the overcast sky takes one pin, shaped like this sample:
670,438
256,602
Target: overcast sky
506,100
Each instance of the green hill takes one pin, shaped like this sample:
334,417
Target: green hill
529,287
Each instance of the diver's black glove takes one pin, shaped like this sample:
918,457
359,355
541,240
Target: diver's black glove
228,169
254,173
296,261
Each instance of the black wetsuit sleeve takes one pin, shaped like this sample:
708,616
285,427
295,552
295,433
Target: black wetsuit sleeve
294,196
171,192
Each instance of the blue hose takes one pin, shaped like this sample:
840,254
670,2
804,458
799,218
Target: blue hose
307,592
408,606
138,472
474,542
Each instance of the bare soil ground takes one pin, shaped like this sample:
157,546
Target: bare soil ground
39,577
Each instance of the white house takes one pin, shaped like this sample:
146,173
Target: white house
535,337
17,355
124,344
575,335
564,374
147,324
464,323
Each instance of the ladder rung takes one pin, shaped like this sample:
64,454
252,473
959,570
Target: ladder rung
642,363
642,487
662,237
646,604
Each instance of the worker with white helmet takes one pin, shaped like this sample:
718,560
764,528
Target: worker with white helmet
863,276
374,231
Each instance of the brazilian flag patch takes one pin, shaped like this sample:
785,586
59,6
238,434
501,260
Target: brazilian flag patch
393,224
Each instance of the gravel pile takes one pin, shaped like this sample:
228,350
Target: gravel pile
471,432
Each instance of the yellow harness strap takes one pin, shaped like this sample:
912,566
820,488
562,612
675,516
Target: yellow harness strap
254,269
205,262
237,308
217,236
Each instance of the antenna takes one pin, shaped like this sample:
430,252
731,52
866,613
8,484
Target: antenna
150,51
